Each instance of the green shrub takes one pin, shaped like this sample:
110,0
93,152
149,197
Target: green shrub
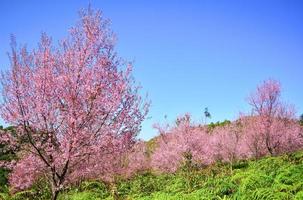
24,195
3,178
4,196
299,195
296,157
269,166
39,191
290,175
142,184
96,187
80,196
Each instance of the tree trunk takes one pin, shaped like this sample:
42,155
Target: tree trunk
114,192
268,144
55,195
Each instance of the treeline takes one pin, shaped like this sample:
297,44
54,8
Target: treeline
270,128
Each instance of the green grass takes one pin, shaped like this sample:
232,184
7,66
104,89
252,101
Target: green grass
277,178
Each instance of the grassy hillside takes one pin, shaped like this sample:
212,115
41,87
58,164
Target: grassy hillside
268,178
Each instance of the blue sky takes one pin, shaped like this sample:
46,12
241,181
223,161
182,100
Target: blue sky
188,54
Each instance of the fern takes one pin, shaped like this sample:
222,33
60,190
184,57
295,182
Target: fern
299,196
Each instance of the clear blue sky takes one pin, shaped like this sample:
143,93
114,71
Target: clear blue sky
188,54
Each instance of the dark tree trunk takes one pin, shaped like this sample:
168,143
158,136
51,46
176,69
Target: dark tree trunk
55,194
114,191
268,144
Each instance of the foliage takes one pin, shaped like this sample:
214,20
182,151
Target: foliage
3,177
213,125
89,190
301,120
277,178
7,154
40,190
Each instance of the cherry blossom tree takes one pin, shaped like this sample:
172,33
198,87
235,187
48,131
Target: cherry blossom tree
75,104
272,117
180,140
253,137
227,143
138,159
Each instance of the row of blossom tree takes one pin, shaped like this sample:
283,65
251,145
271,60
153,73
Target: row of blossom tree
270,129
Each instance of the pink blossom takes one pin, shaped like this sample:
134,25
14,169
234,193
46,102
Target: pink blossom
75,105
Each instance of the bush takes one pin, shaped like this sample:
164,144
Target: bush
143,184
97,187
80,196
39,191
3,178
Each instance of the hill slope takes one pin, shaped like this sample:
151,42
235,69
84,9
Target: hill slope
268,178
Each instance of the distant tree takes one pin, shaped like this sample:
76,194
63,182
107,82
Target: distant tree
74,104
178,141
227,143
270,113
206,114
212,125
301,119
